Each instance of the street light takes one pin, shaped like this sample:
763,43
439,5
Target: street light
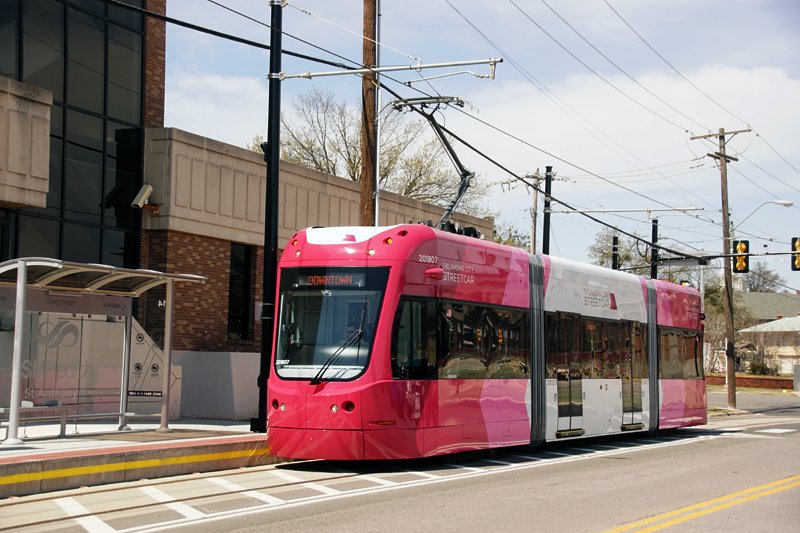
784,203
730,331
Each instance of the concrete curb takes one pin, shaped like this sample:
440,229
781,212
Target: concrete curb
33,474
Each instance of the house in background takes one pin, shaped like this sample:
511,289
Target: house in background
778,341
767,306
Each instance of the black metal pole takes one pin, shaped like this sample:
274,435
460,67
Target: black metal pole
654,251
548,183
273,159
615,253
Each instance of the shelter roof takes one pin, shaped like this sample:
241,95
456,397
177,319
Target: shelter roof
67,276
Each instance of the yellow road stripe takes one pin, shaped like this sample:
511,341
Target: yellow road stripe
129,465
741,496
719,507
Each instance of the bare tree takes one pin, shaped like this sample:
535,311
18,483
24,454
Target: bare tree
762,279
325,134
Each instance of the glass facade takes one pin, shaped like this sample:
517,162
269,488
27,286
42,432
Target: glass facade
91,56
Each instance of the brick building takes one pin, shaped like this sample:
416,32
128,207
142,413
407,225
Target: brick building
82,130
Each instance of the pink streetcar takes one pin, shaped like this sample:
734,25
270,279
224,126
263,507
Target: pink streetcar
405,341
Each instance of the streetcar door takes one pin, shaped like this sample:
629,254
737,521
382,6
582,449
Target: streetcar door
632,366
569,369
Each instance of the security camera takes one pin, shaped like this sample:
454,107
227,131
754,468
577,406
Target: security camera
141,198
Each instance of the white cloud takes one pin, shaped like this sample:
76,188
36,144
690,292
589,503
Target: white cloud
231,109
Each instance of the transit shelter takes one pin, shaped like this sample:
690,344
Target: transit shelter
44,284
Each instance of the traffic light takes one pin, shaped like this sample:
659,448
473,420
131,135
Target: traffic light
795,257
741,263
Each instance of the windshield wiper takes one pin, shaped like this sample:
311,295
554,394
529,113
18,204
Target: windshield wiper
337,355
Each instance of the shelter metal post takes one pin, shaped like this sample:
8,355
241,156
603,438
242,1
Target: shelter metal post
12,438
126,365
167,357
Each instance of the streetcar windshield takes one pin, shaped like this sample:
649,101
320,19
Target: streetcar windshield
326,322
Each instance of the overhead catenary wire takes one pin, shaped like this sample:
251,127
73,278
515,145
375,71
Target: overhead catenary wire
564,106
303,56
360,35
547,153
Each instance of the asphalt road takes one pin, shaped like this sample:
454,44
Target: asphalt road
737,473
777,403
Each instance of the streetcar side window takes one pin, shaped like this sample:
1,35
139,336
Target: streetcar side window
551,345
482,342
680,354
414,340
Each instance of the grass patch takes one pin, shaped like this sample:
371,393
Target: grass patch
751,390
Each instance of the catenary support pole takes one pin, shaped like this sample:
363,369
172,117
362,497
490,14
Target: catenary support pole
654,250
548,185
272,157
615,253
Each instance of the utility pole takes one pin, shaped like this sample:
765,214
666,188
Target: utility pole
730,332
534,210
369,146
537,179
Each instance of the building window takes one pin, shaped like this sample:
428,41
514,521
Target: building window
90,54
240,299
9,28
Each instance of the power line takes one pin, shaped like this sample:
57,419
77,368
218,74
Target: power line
360,35
670,65
219,34
600,76
776,152
571,112
554,199
634,80
771,175
687,80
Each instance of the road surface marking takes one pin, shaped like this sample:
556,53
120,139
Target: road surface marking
291,478
233,487
776,430
709,506
84,516
162,497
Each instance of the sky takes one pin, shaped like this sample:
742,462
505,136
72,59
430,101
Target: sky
607,92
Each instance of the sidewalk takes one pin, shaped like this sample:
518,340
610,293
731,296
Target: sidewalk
98,453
